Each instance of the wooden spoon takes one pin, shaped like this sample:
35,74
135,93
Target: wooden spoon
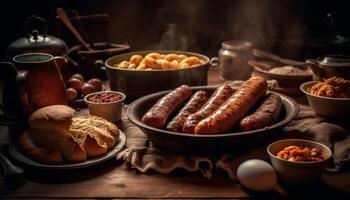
266,55
66,21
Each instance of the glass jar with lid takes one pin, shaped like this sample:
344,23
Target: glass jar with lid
233,60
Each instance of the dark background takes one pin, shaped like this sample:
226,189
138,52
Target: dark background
291,28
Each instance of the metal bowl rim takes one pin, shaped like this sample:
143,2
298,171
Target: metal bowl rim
201,56
281,76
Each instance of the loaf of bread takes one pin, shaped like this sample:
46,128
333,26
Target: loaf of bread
56,136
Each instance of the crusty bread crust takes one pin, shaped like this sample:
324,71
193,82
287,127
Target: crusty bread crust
93,147
44,155
53,114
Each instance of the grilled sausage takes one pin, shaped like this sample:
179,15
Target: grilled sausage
234,109
219,97
196,102
266,114
157,116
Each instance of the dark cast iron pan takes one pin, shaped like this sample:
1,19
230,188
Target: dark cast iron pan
208,144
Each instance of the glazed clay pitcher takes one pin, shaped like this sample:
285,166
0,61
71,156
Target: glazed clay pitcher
39,80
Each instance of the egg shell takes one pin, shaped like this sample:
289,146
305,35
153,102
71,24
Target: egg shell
257,175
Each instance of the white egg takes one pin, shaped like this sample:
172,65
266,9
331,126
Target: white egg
257,175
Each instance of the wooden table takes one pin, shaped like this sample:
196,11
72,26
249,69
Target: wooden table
115,179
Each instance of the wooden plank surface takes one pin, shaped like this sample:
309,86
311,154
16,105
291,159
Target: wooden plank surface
115,179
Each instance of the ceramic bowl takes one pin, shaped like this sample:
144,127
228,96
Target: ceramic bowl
298,173
261,68
111,111
326,106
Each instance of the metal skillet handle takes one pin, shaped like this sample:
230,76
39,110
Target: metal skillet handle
10,170
316,68
99,65
214,62
100,69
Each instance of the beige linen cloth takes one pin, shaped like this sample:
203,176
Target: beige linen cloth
144,156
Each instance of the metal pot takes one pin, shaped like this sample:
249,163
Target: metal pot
330,65
138,83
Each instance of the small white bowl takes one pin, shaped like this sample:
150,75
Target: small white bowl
298,173
326,106
111,111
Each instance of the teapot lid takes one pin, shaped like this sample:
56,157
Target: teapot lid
36,40
334,60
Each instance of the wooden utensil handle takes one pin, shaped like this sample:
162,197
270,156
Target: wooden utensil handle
266,55
64,18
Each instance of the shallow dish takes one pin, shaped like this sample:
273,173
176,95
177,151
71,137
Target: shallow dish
261,68
326,106
19,156
207,144
298,173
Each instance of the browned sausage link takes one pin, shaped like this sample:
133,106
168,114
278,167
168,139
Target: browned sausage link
219,97
159,113
197,100
235,108
266,114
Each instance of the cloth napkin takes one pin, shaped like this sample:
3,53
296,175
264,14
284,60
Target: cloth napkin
144,156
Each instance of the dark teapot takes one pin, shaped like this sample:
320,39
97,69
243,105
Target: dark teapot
36,40
329,66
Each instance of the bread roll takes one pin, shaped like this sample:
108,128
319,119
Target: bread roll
55,117
44,155
55,135
98,128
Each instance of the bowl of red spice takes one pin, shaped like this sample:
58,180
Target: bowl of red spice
106,104
299,162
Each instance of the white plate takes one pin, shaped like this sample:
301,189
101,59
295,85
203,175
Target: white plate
19,156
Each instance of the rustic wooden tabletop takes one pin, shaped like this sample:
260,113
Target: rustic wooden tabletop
115,179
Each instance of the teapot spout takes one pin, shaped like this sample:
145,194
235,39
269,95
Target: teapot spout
316,68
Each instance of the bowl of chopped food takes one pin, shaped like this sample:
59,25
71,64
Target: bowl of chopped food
286,75
328,98
137,74
299,162
106,104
